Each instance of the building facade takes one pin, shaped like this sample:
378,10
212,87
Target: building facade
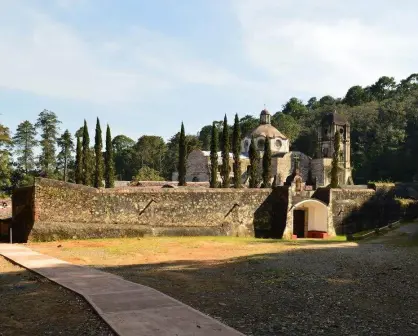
286,165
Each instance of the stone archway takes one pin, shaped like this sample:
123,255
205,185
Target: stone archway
310,219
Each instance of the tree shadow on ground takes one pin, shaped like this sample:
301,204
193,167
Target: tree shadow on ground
333,290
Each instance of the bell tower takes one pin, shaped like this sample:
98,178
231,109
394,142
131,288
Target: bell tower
330,124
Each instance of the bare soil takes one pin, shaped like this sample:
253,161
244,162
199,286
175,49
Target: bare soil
268,287
31,305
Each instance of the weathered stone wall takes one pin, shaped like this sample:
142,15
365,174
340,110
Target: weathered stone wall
63,210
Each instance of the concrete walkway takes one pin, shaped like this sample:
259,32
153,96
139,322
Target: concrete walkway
129,308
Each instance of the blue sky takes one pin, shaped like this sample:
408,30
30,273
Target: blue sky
143,66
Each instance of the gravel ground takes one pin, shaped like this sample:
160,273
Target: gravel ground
370,289
31,305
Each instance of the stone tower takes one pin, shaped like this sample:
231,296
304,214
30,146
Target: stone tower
321,166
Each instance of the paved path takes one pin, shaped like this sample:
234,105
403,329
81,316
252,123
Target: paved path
129,308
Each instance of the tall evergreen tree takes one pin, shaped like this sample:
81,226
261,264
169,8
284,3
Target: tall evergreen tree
87,157
109,161
225,168
5,171
182,157
267,164
24,142
254,178
98,150
214,144
48,123
335,161
236,150
79,162
65,142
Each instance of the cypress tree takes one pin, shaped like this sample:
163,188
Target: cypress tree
79,162
267,164
214,143
182,157
87,160
335,161
226,169
236,149
98,150
254,163
109,163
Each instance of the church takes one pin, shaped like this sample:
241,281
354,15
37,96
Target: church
286,165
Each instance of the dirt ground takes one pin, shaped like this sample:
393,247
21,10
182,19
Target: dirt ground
268,287
32,305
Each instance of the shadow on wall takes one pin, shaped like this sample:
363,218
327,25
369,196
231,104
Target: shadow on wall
270,216
389,203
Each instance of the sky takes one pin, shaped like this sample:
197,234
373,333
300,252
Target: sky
145,66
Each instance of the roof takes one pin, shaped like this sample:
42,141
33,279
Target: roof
267,130
334,118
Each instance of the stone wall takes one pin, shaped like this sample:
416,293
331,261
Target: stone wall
64,211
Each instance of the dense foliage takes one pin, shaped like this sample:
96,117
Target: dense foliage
384,139
267,164
225,167
98,153
254,173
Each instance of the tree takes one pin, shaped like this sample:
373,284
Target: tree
225,168
355,96
79,162
182,157
254,174
148,174
335,161
204,137
171,156
124,155
98,150
287,124
5,171
214,144
295,108
87,158
109,163
248,124
236,150
48,123
65,142
267,164
24,142
149,151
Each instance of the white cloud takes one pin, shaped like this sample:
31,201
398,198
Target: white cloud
324,47
46,57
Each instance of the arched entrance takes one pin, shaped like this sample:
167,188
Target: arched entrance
310,219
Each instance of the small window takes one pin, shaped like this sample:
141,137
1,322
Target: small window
278,144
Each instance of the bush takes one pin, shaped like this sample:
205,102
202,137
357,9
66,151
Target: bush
148,174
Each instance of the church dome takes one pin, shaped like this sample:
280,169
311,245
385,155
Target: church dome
267,131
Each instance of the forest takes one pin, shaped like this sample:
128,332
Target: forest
384,140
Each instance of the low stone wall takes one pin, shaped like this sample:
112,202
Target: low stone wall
64,211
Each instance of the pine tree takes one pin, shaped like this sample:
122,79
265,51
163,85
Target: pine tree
335,161
267,164
226,169
24,142
87,158
98,150
48,123
214,144
254,178
65,142
79,162
109,161
182,157
236,149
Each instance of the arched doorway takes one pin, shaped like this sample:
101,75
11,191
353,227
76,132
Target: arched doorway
310,219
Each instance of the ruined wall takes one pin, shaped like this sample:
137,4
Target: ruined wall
63,210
